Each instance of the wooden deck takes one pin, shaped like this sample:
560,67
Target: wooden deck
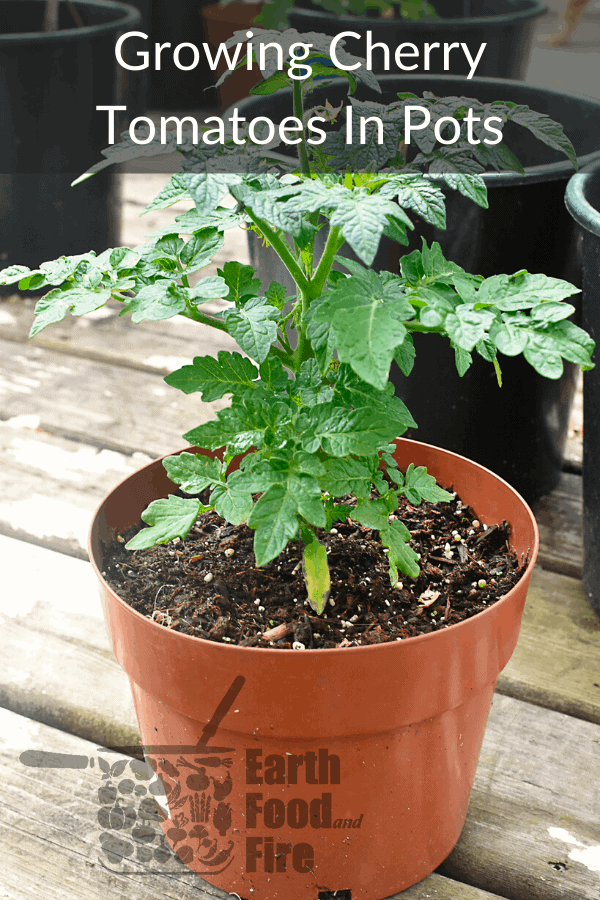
82,406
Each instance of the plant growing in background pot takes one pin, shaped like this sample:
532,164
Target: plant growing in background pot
49,135
319,688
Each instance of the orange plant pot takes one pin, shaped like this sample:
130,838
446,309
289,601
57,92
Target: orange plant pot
220,23
332,769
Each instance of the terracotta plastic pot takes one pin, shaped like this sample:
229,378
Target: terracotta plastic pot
350,769
220,23
583,202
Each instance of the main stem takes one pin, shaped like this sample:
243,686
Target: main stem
299,112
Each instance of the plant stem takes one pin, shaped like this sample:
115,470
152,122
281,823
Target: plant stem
334,242
298,112
281,249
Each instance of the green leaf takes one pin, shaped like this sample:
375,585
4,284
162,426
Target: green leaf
547,362
509,339
316,575
16,273
418,486
161,300
367,313
234,505
277,81
209,288
169,519
240,281
468,326
214,377
174,190
371,513
341,432
401,556
200,249
254,327
463,360
275,520
251,420
346,476
420,195
404,355
543,128
272,375
193,472
55,305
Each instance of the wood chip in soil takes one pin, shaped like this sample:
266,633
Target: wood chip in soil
200,587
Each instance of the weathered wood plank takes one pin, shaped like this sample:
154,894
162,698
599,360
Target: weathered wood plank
56,664
556,663
51,814
50,486
97,403
532,827
106,336
559,516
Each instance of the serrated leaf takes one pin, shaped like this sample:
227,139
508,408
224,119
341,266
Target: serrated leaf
55,305
420,195
168,519
275,520
211,287
154,302
371,513
193,472
173,191
342,432
254,327
404,355
346,476
401,556
272,374
214,377
463,360
234,505
367,314
240,280
200,249
418,486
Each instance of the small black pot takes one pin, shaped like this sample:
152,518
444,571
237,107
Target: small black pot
51,132
518,431
583,202
506,26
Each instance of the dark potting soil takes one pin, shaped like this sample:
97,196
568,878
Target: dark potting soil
208,585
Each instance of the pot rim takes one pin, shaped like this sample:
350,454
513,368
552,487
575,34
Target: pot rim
128,15
533,9
321,653
576,200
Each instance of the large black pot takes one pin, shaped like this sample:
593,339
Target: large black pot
50,85
506,26
519,431
583,201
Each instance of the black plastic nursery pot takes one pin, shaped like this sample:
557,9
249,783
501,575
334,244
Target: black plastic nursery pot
519,430
51,132
506,26
583,202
